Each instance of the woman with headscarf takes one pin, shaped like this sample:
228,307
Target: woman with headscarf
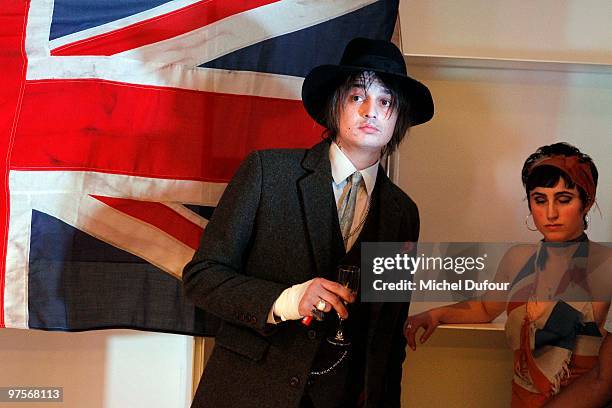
559,294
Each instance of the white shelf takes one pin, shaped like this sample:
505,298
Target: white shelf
472,326
416,60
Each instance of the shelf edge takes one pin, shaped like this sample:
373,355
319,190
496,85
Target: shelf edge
506,63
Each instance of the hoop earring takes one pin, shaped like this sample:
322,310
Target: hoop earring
527,223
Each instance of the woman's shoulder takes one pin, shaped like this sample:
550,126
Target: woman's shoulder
517,255
600,254
515,259
600,260
600,271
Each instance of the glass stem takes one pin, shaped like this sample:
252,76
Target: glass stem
340,332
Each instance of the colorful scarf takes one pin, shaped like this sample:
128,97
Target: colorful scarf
554,340
577,169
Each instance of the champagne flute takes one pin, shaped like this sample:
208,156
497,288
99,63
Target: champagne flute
348,276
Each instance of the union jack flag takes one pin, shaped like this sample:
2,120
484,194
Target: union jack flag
123,122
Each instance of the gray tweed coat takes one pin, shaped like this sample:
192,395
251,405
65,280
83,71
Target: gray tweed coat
273,228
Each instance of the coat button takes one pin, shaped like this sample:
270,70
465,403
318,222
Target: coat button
312,334
294,382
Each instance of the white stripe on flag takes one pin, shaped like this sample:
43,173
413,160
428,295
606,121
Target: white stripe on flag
118,229
188,214
17,256
174,76
121,23
38,27
116,185
242,30
65,196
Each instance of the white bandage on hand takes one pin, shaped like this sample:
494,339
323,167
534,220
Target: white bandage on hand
287,305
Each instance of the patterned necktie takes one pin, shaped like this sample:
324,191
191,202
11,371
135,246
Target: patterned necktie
346,212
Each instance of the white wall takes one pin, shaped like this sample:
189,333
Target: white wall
555,30
103,369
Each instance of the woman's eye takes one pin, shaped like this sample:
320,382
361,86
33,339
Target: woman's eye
539,201
355,98
386,103
565,200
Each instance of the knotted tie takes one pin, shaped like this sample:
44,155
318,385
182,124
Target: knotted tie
346,212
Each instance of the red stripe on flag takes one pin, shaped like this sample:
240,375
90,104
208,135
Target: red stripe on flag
13,61
151,132
160,216
159,28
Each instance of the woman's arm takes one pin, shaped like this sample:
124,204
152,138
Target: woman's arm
483,309
593,389
471,311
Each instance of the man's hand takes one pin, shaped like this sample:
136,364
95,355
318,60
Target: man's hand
333,293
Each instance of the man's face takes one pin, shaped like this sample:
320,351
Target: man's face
366,122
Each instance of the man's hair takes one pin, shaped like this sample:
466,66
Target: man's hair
399,103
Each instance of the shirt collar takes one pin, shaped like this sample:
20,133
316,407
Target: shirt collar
342,167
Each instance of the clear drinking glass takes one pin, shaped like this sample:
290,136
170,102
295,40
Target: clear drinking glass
348,276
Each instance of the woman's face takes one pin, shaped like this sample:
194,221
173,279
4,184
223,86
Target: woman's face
557,212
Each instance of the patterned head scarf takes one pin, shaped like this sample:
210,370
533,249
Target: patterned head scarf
577,170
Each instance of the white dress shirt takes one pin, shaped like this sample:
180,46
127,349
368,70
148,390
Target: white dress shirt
286,306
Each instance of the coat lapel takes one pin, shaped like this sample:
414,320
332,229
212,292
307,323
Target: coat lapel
388,213
319,208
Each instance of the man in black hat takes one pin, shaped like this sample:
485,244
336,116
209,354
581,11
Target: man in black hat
287,219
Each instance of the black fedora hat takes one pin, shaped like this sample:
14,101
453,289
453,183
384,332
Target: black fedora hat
363,54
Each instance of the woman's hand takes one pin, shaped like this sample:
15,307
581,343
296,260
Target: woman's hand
428,320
